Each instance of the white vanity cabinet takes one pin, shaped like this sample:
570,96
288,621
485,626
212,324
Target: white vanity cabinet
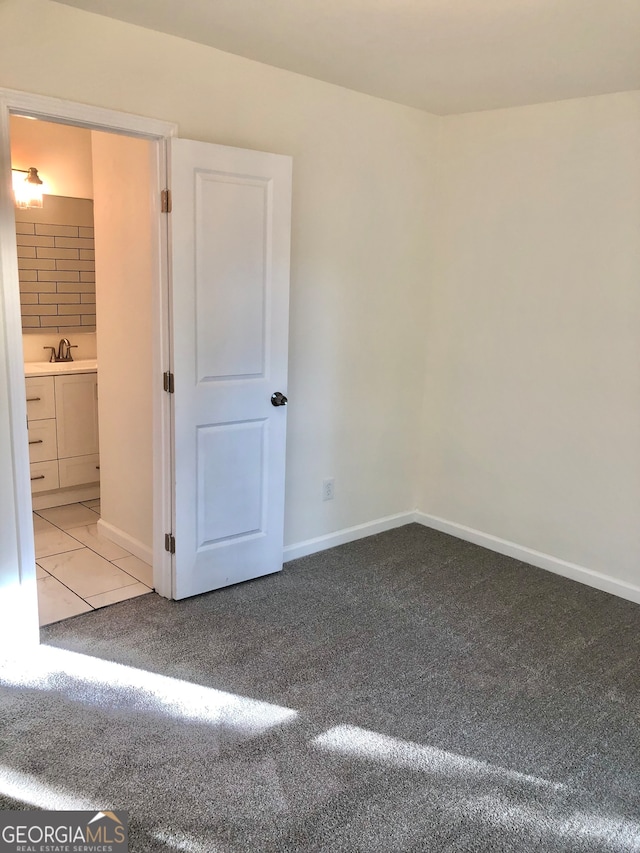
43,442
62,415
41,400
77,428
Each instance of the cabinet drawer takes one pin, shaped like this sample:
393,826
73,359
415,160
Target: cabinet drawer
42,440
79,470
41,401
44,476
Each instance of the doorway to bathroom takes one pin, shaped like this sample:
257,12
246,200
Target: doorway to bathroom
219,339
86,268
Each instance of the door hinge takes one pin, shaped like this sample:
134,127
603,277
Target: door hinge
165,201
170,543
167,382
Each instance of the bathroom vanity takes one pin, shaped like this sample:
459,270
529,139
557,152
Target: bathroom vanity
62,419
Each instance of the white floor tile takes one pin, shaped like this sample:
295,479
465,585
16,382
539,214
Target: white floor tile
74,563
138,568
49,539
70,515
90,537
116,595
56,602
86,573
39,524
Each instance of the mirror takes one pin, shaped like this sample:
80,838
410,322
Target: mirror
56,262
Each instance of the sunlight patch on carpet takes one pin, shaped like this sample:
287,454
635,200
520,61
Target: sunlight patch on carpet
614,832
89,680
37,793
362,743
495,809
179,841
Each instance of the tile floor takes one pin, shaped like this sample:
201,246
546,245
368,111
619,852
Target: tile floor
77,569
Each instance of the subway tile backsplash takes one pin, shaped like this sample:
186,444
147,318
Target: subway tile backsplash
56,266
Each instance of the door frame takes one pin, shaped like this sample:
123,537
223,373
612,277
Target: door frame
13,102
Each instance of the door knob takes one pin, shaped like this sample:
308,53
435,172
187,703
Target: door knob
278,399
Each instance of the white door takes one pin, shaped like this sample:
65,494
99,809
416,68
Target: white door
230,239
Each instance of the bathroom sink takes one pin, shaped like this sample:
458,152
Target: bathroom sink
48,368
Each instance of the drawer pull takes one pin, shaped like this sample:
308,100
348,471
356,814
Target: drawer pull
37,441
33,399
97,467
39,477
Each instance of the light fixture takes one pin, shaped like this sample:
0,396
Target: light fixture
28,191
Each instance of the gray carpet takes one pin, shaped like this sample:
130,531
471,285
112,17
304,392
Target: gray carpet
407,692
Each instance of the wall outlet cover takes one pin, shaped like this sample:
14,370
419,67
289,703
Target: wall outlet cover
327,489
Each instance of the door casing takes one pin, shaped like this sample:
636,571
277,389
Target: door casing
23,630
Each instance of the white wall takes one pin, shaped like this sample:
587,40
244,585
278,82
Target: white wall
362,171
60,153
532,407
122,168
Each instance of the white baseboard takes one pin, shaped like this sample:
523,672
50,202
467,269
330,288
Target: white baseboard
65,496
119,537
589,577
581,574
347,534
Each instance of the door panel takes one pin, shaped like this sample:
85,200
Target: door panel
232,273
233,454
230,227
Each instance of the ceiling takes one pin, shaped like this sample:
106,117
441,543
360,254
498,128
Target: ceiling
443,56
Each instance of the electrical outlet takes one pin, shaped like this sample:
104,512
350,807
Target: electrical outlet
327,489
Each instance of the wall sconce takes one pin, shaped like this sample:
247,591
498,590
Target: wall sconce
27,191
